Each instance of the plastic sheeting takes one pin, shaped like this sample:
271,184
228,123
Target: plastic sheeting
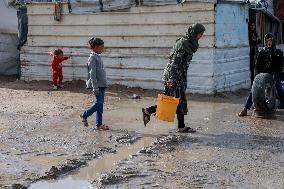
99,5
161,2
8,18
22,26
112,5
9,55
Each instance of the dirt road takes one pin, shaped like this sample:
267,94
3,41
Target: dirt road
42,139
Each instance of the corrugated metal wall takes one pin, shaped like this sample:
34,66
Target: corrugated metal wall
231,65
137,41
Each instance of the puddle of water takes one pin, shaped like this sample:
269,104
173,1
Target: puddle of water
105,164
82,179
60,184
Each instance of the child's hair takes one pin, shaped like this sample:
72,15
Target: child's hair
95,42
57,52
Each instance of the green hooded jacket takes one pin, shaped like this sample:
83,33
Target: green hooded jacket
180,58
181,55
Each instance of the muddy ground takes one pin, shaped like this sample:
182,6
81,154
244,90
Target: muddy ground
42,141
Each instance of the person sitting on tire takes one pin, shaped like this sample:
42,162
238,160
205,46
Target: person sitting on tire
269,60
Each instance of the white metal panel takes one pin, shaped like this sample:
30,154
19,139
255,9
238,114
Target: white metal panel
82,41
124,70
110,52
48,8
119,30
138,43
231,69
124,18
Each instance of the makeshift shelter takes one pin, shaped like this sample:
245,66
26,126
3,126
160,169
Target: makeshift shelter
139,36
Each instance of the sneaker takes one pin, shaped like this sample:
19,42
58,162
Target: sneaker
60,85
242,113
55,87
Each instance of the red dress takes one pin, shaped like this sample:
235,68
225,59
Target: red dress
56,66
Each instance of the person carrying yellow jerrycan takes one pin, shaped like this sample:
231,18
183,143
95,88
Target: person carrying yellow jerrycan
175,79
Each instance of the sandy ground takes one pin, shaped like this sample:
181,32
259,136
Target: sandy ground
43,139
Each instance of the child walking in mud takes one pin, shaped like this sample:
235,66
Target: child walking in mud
97,82
56,66
175,74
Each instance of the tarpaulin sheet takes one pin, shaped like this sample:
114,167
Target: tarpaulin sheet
100,5
161,2
9,55
22,26
114,5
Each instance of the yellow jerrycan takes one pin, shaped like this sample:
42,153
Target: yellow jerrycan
166,107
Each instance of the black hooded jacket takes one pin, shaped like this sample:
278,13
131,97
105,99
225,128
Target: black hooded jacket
269,60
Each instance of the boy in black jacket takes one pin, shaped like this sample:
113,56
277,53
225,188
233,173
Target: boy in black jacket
269,60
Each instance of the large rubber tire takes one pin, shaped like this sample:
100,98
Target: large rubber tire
264,93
